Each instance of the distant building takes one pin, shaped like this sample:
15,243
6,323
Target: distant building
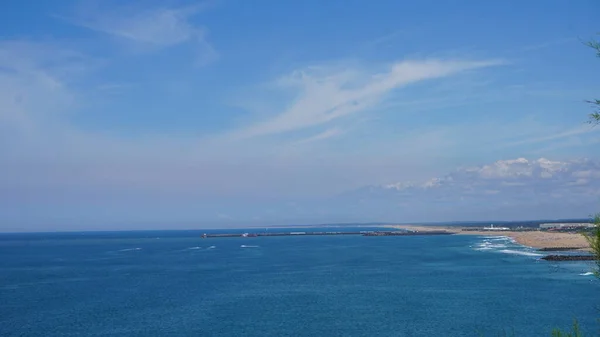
492,228
555,226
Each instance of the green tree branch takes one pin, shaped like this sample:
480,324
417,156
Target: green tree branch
594,116
593,239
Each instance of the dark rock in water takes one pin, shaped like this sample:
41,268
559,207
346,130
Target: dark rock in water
569,258
555,249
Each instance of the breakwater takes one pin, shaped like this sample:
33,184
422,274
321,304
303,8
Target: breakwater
569,258
558,249
309,233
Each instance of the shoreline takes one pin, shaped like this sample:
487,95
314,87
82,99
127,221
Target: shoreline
533,239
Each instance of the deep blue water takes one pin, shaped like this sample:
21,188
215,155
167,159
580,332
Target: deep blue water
176,284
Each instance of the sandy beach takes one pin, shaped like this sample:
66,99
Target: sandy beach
536,239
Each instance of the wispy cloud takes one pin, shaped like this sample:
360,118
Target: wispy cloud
387,38
33,83
329,133
548,44
570,142
323,95
150,28
584,129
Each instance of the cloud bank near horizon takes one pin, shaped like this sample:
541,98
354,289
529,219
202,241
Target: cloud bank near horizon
503,190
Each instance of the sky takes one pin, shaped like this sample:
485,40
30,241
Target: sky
185,114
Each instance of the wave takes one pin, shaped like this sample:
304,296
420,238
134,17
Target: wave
487,245
129,249
502,238
518,252
194,248
249,246
491,245
483,248
503,244
212,247
497,237
587,274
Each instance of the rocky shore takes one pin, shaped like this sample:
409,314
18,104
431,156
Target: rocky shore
569,258
558,249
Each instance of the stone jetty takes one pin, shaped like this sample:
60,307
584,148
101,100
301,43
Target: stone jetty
569,258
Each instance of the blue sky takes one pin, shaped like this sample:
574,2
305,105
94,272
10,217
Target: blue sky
183,113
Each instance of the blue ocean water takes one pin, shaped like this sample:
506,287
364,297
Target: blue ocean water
177,284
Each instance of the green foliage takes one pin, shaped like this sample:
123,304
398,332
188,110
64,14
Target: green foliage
576,332
594,45
593,239
595,116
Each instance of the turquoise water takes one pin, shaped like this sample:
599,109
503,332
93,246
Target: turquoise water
176,284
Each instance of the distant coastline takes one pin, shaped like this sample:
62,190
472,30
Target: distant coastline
531,238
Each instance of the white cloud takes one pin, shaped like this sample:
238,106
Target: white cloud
329,133
554,136
587,174
520,167
324,95
554,43
481,138
517,173
151,28
388,38
503,190
33,84
43,152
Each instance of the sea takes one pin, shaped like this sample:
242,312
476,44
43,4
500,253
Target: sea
175,283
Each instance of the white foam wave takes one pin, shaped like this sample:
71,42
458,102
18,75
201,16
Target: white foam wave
249,246
489,245
497,238
492,246
194,248
518,252
503,244
587,274
129,249
212,247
